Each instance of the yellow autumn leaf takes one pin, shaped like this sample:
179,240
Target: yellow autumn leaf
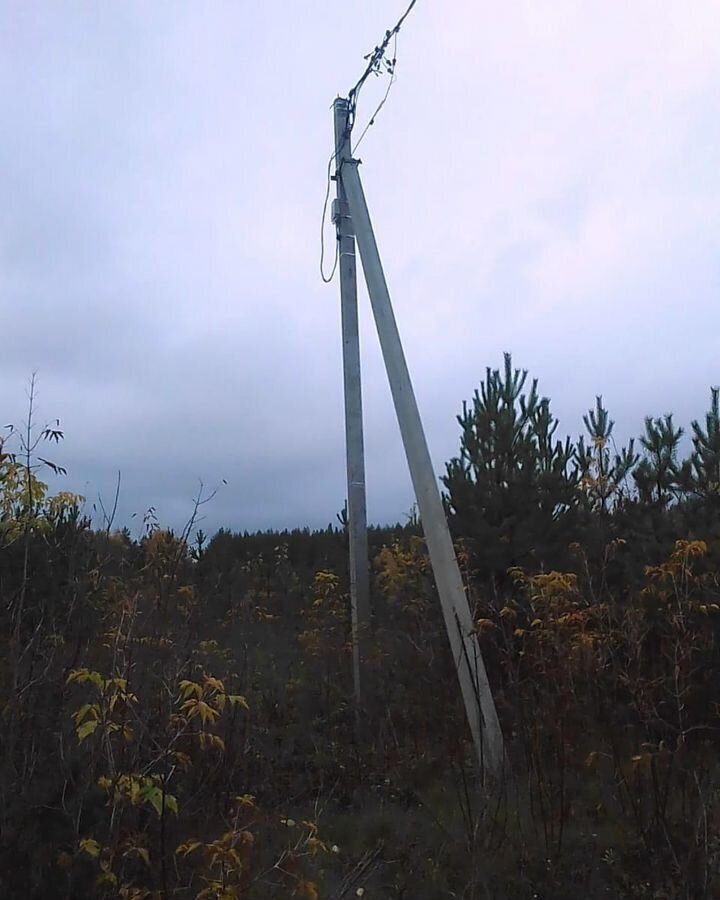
187,847
315,845
135,792
211,740
214,683
200,708
90,847
182,759
307,889
239,700
188,688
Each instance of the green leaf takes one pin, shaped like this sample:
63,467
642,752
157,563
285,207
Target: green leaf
84,711
153,795
86,729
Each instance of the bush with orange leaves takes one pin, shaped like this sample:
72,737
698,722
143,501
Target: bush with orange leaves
612,707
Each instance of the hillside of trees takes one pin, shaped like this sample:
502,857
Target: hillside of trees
178,716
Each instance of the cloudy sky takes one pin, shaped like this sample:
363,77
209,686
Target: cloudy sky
544,180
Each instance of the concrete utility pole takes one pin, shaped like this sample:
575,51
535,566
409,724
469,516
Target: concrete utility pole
479,704
355,456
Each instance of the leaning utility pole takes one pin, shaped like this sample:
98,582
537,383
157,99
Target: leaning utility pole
353,216
354,450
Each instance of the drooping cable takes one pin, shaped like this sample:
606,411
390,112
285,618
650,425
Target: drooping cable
377,65
391,70
327,278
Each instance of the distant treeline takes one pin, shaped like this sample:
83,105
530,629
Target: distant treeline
517,495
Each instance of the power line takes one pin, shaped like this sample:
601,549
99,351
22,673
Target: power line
377,64
393,79
374,65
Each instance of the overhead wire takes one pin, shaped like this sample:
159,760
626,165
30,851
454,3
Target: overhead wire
391,82
374,67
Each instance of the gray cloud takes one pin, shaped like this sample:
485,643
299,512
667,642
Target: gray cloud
540,182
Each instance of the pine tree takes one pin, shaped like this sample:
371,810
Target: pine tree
657,473
700,477
650,521
603,475
511,492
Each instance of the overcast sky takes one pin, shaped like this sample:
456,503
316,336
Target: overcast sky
544,179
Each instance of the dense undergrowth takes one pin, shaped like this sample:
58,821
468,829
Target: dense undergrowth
174,729
178,721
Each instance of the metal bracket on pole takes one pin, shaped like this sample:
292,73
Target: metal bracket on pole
477,697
